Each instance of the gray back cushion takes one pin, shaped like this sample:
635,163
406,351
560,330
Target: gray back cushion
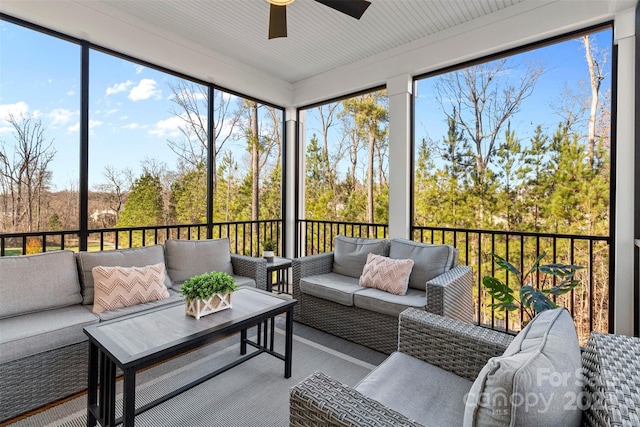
188,258
31,283
429,261
350,254
135,257
537,381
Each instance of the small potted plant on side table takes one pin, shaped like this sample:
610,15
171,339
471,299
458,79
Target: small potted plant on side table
207,293
268,248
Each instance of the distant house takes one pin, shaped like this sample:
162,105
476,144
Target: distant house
104,215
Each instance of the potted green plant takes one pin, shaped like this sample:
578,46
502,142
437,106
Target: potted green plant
268,248
530,300
208,293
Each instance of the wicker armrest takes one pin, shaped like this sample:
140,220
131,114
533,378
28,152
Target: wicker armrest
451,294
255,268
322,401
611,375
311,265
455,346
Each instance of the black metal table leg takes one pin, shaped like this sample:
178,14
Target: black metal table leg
288,349
129,398
107,393
92,394
243,342
273,330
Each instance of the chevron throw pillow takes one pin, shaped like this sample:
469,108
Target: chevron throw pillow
117,287
387,274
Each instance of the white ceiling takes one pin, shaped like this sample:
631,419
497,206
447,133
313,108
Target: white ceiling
319,38
326,53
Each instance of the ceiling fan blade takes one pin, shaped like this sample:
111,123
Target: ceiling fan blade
277,22
353,8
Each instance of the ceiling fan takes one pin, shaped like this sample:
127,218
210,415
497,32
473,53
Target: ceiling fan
278,13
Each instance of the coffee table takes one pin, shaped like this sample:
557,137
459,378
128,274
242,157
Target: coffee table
135,342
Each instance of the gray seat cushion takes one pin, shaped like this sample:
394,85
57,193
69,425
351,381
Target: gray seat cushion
34,333
31,283
174,297
350,254
331,286
188,258
429,261
135,257
388,303
540,371
244,281
419,391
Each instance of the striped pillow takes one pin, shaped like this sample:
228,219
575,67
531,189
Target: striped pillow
387,274
117,287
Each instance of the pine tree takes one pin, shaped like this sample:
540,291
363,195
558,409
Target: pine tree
189,197
144,205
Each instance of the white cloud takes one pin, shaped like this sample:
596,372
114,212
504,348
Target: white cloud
139,69
131,126
112,111
145,90
71,93
119,87
187,94
60,116
170,127
18,109
76,127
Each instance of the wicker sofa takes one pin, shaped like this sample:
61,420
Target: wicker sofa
434,378
331,299
47,299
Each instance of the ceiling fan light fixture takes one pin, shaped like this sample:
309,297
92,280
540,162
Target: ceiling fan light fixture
280,2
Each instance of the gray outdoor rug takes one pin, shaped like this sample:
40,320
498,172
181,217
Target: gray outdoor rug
254,393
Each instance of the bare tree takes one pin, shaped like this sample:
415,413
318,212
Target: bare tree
596,76
327,115
481,99
24,171
191,147
116,189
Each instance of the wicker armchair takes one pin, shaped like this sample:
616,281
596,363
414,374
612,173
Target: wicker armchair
611,372
254,268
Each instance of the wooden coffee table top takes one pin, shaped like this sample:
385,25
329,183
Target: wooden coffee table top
133,338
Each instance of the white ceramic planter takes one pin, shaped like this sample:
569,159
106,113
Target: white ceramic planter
268,255
198,308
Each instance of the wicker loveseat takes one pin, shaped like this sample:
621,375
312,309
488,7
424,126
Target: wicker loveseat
441,363
331,299
47,299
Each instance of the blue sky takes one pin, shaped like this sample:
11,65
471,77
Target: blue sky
564,66
130,118
130,112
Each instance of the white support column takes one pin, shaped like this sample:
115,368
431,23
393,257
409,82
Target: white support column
399,90
624,28
290,168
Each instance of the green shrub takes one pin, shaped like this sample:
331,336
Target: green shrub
206,285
